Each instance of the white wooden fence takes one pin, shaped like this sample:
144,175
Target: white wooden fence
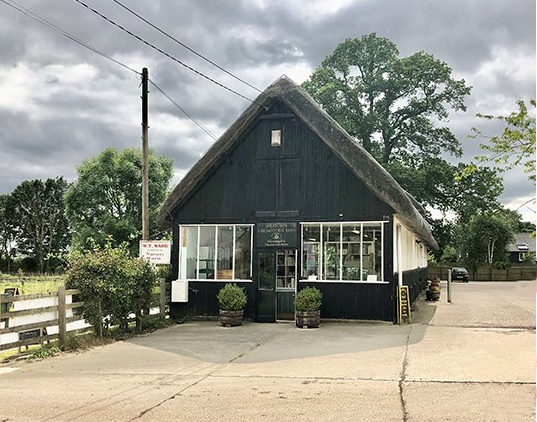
35,318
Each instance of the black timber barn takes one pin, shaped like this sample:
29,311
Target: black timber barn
287,199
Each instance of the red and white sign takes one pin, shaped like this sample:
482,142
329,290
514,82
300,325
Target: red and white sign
156,251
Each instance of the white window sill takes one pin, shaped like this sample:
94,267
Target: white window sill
212,280
344,281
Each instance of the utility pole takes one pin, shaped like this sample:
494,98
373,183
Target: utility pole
145,158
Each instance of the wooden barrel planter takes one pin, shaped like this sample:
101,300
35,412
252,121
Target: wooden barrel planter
308,319
231,318
433,292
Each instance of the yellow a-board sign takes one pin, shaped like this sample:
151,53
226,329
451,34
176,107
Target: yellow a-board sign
404,305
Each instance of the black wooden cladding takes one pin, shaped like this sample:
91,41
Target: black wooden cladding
355,300
416,280
302,175
203,301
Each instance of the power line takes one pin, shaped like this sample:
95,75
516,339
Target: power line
200,125
132,34
185,46
56,28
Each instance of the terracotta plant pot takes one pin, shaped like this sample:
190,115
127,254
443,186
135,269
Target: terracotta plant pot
308,319
231,318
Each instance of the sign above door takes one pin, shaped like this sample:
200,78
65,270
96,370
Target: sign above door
277,235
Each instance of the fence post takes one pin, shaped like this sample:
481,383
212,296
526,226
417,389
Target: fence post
162,297
62,325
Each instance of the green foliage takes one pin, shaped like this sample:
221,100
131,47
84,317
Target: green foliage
516,145
390,104
36,211
434,182
449,255
106,199
232,297
112,283
7,232
46,351
154,322
529,257
308,299
484,238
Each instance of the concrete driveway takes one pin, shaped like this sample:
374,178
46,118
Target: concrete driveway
470,360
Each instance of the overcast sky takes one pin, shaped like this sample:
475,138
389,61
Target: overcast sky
61,103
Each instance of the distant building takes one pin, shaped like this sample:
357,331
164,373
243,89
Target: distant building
287,199
523,245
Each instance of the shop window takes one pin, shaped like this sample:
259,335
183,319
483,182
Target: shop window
342,251
222,252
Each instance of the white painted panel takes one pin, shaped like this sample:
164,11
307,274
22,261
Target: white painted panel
180,291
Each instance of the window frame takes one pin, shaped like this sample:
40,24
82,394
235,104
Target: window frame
320,278
215,259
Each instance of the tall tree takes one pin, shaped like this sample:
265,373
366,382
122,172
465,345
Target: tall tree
105,202
484,237
390,104
516,144
37,209
7,231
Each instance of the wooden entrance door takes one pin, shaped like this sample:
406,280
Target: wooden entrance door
277,272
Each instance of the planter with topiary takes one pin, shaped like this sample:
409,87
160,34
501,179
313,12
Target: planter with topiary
307,305
232,300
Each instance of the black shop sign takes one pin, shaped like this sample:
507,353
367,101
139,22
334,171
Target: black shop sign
277,235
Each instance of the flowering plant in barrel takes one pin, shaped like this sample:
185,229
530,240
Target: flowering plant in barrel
232,300
307,305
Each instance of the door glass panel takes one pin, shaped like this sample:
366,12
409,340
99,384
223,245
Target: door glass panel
267,270
285,270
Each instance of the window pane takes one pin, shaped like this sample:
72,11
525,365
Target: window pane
311,242
206,258
351,251
243,252
371,252
225,253
267,270
331,251
188,253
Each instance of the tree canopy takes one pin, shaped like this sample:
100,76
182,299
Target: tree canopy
516,144
36,211
105,202
391,104
484,237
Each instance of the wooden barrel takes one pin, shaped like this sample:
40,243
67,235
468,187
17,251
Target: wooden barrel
231,318
309,319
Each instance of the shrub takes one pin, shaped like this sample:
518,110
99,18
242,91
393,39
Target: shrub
112,284
45,352
232,298
308,299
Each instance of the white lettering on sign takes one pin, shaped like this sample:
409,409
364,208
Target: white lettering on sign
156,252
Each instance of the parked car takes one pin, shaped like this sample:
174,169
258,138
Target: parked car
460,273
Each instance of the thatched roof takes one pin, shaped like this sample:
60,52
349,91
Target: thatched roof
361,163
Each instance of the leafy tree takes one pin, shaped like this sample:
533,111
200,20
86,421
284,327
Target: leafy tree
37,212
484,238
433,183
389,103
7,232
516,145
106,200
